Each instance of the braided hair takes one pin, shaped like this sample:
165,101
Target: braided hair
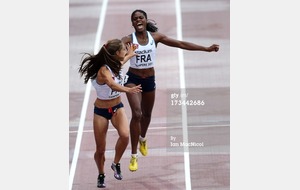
150,23
91,64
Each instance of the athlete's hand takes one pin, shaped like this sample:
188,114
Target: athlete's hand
135,89
213,47
130,52
131,48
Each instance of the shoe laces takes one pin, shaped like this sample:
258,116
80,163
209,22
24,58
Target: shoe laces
118,168
101,178
133,160
143,143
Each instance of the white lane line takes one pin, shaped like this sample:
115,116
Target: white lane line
158,128
100,27
183,99
86,98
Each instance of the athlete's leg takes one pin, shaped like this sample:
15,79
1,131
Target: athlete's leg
136,116
100,129
120,122
147,106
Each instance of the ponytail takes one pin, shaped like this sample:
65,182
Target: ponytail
151,25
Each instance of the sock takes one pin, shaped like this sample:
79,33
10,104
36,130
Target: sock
142,138
134,155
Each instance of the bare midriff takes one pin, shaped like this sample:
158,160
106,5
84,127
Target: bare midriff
107,103
143,73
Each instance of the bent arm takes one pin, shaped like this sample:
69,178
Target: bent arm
104,76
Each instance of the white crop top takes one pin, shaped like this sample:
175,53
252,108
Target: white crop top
145,57
104,92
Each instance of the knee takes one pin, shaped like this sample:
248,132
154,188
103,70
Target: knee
124,137
137,115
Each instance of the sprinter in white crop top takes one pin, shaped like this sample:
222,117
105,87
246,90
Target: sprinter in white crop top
104,69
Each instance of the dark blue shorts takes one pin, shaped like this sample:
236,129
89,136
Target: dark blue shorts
148,84
107,112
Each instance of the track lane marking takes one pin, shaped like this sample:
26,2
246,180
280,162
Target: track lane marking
86,98
183,99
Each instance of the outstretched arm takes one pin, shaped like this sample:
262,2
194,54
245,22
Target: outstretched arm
158,37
